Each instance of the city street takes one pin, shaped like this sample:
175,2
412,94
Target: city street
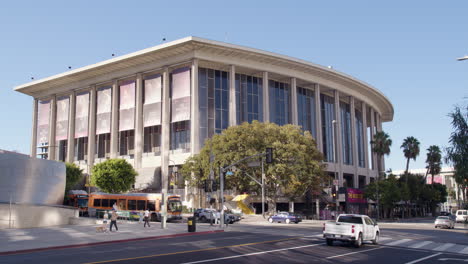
262,242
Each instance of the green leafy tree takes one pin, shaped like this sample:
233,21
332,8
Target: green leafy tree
387,192
410,148
297,166
73,175
433,161
457,152
113,176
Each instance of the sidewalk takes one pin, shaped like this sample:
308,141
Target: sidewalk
14,240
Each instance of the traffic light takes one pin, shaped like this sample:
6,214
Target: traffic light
214,186
334,192
269,155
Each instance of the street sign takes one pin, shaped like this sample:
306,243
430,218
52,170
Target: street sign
255,163
229,173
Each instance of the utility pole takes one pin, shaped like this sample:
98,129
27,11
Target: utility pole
221,189
263,190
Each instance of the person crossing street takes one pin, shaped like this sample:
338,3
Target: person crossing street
147,214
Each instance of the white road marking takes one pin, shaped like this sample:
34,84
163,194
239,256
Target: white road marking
351,253
421,259
464,251
398,242
456,259
420,244
250,254
384,238
443,247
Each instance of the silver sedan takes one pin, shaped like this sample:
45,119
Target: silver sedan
444,221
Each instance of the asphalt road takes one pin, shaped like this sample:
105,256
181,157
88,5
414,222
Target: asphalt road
274,243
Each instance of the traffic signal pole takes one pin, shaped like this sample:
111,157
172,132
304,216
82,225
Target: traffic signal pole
263,190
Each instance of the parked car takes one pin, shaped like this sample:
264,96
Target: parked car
285,217
444,221
462,216
351,228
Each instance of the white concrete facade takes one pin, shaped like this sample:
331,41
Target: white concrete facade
196,53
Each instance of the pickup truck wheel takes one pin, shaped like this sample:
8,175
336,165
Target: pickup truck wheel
329,242
358,242
287,221
270,220
376,239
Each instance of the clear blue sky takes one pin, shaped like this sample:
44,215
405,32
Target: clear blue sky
406,49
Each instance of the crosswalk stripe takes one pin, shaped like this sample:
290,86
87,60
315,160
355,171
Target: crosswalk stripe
420,244
443,246
394,243
464,251
384,238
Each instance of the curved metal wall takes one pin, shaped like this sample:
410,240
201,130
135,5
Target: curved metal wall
31,181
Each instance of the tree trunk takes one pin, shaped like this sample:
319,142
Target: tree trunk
407,167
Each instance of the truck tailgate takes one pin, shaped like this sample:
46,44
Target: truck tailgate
338,228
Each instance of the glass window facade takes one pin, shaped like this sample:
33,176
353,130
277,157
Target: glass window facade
328,115
360,139
346,146
306,110
280,112
213,89
180,110
249,98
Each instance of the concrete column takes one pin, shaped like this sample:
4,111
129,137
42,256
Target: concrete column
139,130
165,141
194,116
338,141
318,119
53,117
374,157
115,121
352,107
34,130
92,127
266,98
294,102
71,129
365,139
232,96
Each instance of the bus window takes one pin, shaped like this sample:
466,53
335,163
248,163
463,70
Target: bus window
132,205
112,202
97,203
105,203
151,205
141,205
122,204
82,202
174,206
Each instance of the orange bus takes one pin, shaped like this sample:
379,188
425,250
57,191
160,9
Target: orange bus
131,204
78,199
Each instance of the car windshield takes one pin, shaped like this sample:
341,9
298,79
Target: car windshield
442,217
350,219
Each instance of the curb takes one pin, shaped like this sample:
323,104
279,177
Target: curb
106,242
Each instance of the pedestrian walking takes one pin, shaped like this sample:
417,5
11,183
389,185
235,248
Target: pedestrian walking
147,214
140,214
114,220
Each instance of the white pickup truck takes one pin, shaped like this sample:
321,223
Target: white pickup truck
351,228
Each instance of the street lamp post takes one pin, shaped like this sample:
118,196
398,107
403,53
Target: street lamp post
335,161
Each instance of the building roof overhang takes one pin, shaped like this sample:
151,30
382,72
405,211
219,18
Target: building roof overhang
199,48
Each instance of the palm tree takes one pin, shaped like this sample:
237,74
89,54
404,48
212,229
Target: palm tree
433,160
410,148
380,146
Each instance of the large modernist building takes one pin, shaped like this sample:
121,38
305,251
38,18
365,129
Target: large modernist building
155,108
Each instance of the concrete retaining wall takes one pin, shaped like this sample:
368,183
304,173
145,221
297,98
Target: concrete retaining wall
28,216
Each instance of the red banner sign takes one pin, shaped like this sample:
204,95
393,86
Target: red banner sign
355,196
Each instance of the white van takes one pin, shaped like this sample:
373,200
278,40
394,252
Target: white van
462,215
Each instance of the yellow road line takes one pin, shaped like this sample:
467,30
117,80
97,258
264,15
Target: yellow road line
191,251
